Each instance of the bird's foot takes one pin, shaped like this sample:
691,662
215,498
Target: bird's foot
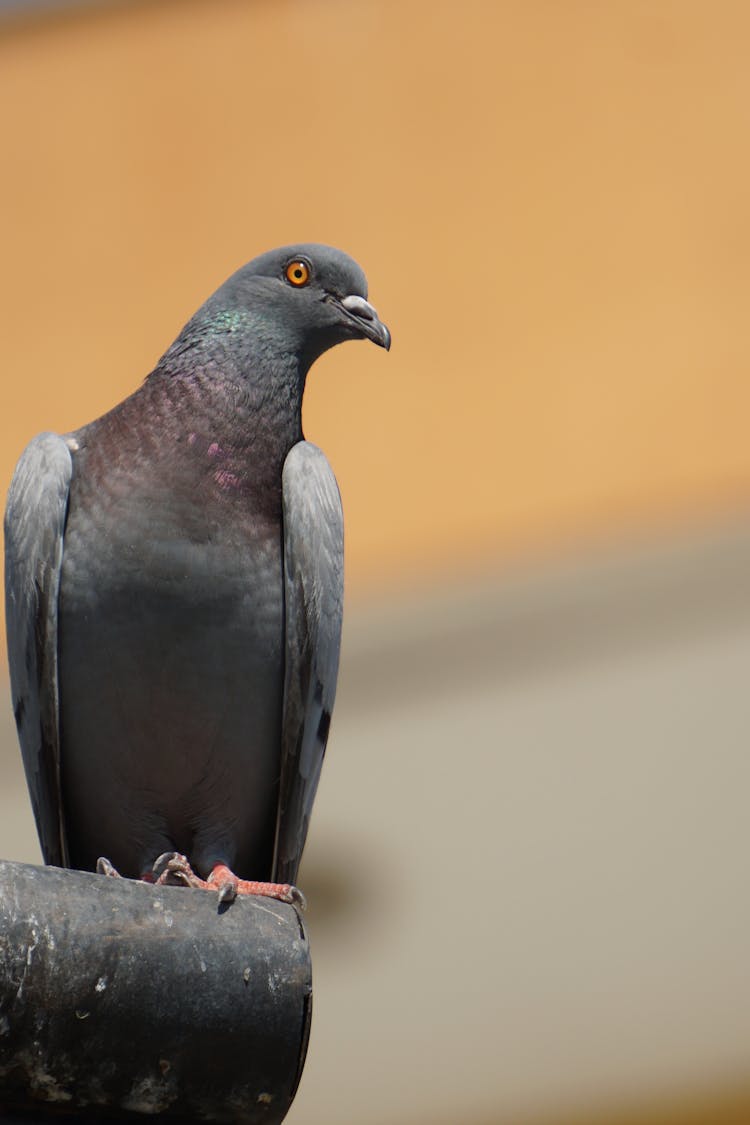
173,869
104,866
229,886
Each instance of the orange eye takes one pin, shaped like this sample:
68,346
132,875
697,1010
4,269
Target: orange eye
298,273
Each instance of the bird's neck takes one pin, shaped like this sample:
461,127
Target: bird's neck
233,405
231,374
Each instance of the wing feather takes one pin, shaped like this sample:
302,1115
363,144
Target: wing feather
34,526
313,605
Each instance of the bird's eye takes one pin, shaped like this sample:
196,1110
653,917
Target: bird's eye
298,273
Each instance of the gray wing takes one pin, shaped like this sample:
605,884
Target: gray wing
313,602
34,525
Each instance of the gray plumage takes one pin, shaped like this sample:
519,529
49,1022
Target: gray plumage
174,584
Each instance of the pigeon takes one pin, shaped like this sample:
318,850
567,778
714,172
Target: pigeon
174,588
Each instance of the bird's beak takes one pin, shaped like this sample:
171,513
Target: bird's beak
364,316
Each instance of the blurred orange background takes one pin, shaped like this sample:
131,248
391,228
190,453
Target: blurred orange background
550,200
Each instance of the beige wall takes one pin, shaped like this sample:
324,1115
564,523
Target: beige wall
550,200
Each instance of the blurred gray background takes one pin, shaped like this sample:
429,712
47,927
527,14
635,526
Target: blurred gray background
527,867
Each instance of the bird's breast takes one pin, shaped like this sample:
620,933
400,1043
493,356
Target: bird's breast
171,654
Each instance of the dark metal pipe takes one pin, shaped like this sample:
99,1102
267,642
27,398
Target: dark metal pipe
119,1000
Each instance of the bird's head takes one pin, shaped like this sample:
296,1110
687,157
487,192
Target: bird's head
308,297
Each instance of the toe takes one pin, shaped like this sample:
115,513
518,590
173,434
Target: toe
297,898
172,869
227,891
105,867
168,861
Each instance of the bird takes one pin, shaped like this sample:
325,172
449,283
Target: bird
174,590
